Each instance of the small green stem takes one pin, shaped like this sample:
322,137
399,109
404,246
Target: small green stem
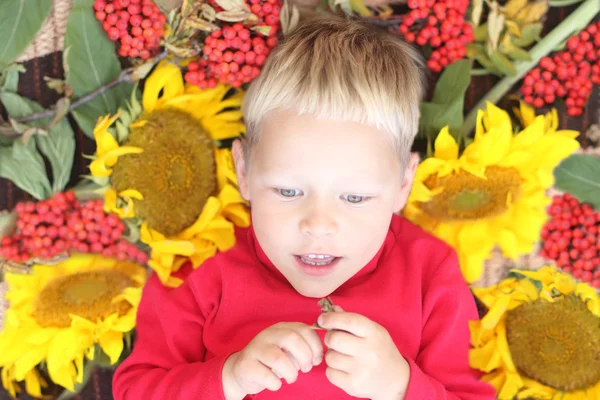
479,71
563,3
573,23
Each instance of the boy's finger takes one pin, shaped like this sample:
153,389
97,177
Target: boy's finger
338,378
295,344
356,324
275,359
266,377
344,342
313,340
339,361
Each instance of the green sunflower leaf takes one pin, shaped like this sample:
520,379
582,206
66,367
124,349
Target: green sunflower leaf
33,180
9,81
92,63
446,107
58,145
20,21
579,175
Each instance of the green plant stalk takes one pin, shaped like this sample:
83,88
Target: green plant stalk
563,3
576,21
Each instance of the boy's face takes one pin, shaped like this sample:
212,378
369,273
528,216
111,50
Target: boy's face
322,194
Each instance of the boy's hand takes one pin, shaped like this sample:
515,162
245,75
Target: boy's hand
362,358
279,351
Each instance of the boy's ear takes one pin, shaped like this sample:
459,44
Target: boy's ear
239,159
407,181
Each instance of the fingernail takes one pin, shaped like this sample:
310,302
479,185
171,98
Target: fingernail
320,320
317,360
307,369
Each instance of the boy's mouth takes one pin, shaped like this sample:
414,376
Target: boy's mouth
318,260
316,264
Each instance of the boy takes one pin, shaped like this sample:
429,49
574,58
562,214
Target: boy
325,166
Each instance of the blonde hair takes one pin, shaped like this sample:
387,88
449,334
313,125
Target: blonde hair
341,69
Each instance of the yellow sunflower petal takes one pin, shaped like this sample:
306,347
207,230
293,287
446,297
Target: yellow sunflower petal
8,382
166,78
446,147
112,344
33,383
134,194
497,311
209,212
105,141
526,114
182,247
485,358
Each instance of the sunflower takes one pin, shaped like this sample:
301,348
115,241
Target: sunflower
57,315
164,171
540,338
494,194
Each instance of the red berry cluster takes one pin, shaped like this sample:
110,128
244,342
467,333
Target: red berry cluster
48,228
567,73
137,24
442,25
235,54
572,238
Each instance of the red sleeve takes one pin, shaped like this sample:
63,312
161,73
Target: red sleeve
167,361
441,370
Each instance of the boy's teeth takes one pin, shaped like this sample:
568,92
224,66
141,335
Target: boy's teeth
316,259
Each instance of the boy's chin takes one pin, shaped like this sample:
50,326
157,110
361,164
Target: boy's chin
315,291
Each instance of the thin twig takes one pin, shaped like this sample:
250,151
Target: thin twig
124,77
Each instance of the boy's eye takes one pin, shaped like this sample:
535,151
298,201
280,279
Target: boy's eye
354,199
289,192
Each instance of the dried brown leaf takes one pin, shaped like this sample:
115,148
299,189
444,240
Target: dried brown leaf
208,12
262,29
513,28
513,7
233,5
197,23
236,16
289,17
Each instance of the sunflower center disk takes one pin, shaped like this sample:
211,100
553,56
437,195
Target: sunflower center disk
557,344
86,294
466,196
175,173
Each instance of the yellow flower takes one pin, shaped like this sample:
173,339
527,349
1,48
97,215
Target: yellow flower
58,313
494,193
171,177
540,338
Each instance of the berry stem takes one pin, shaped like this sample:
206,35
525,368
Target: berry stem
126,76
577,20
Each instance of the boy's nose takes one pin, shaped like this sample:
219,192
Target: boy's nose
318,225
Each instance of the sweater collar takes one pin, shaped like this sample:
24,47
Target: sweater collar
357,278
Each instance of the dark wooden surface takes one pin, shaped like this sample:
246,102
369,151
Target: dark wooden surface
32,86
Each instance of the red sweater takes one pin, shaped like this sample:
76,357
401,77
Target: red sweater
413,287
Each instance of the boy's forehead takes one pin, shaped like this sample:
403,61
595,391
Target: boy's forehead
291,141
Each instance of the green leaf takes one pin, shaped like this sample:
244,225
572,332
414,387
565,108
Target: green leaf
58,146
20,21
92,63
89,190
453,82
503,63
446,107
33,180
579,175
481,33
530,33
9,81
